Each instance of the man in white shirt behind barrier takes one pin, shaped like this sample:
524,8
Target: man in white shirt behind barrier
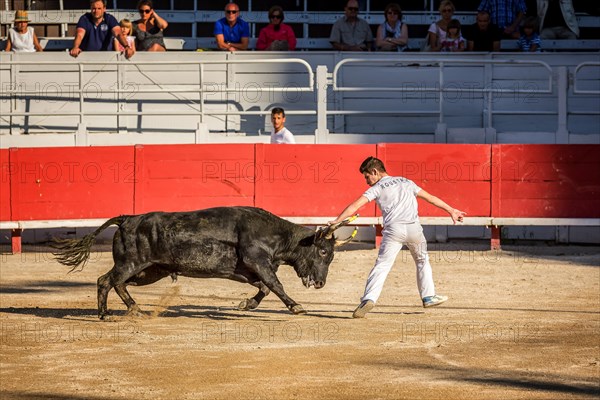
397,199
280,134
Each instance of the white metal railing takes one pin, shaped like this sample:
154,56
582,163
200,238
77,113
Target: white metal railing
576,89
441,88
120,89
319,83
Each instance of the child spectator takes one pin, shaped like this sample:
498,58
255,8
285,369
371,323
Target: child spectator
453,40
529,41
22,38
280,134
126,28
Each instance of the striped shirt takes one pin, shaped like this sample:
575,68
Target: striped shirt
525,43
503,12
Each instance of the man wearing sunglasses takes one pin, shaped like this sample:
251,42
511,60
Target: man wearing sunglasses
351,33
276,35
232,33
95,31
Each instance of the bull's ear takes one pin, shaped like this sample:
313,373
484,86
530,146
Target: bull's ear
309,240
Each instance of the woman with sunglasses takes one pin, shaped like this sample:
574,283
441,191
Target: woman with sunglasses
276,35
149,28
437,31
392,35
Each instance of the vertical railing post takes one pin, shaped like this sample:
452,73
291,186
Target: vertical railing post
321,133
562,87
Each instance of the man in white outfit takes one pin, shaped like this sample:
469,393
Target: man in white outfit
280,133
397,199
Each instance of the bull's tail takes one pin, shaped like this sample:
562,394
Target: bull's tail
75,252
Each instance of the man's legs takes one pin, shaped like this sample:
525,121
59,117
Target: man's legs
390,246
417,245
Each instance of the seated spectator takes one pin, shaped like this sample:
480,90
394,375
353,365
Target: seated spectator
22,38
437,31
454,40
276,35
149,28
280,133
483,35
392,35
126,28
506,14
96,30
232,33
529,41
557,19
351,33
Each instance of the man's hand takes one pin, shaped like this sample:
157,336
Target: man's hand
75,51
457,215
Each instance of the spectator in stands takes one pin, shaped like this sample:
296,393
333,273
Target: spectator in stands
232,33
280,134
557,19
392,35
126,28
96,29
22,38
351,33
276,35
437,31
454,40
483,35
397,197
149,28
529,41
507,14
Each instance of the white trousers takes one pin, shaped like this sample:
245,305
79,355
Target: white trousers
394,237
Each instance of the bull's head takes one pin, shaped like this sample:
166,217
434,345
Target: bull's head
318,254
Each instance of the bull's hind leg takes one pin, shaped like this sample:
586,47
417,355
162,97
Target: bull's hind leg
251,304
148,276
116,276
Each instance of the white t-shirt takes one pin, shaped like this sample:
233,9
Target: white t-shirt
396,197
22,42
283,136
441,34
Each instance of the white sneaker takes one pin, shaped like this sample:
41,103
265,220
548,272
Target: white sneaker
363,309
436,300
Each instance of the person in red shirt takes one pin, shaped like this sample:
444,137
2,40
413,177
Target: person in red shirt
276,35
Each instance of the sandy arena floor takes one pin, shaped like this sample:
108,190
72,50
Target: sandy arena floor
523,323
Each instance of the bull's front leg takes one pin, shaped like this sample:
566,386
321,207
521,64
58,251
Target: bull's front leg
266,273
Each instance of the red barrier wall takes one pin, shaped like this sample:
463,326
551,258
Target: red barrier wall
71,183
546,181
308,180
4,186
459,174
300,180
192,177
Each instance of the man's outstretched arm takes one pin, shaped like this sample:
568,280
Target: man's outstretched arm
456,215
350,210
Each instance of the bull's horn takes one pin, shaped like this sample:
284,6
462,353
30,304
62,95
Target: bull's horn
327,232
348,240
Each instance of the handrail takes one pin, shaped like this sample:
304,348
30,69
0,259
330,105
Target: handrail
576,90
441,88
201,88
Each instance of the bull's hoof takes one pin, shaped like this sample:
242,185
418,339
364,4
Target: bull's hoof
105,317
297,310
135,311
248,304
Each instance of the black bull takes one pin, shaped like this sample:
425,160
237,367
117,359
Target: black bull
244,244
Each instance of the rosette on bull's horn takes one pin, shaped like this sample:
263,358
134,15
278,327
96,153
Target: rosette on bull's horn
327,232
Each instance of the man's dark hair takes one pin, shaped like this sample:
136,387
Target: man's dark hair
370,164
278,110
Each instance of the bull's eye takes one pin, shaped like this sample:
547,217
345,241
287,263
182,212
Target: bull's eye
323,252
